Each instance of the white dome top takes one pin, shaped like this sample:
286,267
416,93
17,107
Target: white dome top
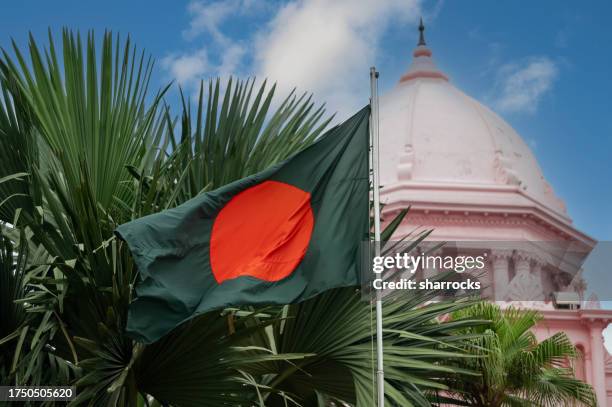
431,133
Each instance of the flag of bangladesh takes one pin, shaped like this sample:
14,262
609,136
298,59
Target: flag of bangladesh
277,237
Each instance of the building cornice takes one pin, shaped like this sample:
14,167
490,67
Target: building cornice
510,203
589,316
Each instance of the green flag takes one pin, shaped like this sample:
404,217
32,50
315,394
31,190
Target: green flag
277,237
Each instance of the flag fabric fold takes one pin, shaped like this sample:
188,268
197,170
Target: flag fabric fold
278,237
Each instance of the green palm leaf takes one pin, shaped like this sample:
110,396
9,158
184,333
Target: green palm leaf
19,149
98,150
515,369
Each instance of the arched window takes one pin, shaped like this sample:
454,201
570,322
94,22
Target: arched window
579,365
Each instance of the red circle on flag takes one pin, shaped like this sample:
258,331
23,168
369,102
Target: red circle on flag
262,232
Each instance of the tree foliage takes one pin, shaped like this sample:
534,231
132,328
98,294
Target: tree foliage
84,147
515,369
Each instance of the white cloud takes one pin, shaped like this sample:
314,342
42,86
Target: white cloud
231,60
326,47
207,19
189,68
521,86
321,46
186,68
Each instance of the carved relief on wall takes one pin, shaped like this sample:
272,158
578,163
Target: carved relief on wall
406,164
504,174
526,287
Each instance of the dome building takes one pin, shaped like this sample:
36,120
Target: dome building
469,176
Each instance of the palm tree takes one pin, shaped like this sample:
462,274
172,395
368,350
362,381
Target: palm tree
515,369
84,148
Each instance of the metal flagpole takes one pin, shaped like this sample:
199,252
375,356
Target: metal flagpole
380,373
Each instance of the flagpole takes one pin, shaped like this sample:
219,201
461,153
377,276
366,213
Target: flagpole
374,136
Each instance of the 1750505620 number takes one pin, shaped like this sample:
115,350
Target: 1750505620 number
37,393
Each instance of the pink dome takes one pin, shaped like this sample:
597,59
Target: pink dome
472,180
433,135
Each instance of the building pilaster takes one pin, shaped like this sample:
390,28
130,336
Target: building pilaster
598,362
501,276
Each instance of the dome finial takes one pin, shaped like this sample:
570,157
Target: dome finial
421,35
422,64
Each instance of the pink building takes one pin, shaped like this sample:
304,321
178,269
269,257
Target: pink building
466,173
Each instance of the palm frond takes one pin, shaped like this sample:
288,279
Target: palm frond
97,150
515,368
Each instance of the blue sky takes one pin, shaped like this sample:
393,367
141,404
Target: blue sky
545,68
